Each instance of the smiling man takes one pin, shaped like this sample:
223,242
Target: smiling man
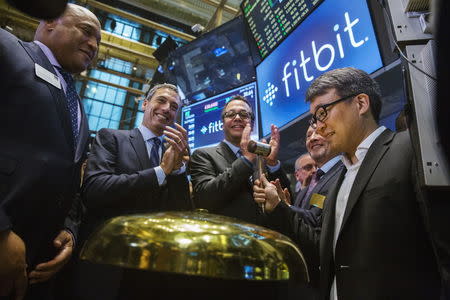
374,242
43,138
221,174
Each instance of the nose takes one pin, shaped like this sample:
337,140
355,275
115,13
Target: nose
93,44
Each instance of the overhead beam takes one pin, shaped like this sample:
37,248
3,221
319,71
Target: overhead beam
226,8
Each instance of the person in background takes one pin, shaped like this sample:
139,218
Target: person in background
305,167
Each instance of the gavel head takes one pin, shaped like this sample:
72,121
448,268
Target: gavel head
258,148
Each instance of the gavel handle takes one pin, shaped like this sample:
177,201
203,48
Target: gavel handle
260,167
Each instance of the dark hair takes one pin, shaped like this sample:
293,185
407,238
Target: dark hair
238,98
348,81
153,90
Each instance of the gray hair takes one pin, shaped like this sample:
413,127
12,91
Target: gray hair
153,90
347,81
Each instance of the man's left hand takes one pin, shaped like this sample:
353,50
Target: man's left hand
64,243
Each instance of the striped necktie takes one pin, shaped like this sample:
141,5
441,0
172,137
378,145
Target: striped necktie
154,153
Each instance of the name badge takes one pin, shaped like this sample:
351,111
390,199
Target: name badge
47,76
317,200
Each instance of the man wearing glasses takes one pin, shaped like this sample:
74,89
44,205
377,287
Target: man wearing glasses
221,175
374,242
305,168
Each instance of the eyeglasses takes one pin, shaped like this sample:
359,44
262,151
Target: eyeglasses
321,112
242,114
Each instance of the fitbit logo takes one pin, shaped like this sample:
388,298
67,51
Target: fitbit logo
270,93
323,56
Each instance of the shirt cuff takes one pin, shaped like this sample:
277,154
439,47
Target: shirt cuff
160,175
273,169
180,170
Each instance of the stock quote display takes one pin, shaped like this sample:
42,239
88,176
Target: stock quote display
270,21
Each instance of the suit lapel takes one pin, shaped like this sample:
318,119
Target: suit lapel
327,234
83,136
327,176
300,196
225,151
36,54
138,143
368,166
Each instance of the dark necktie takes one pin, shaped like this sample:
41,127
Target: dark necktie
314,180
72,102
154,153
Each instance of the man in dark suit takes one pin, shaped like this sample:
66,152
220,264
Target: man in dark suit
43,137
221,174
132,171
374,242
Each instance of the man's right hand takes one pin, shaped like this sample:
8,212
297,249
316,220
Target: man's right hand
13,275
266,193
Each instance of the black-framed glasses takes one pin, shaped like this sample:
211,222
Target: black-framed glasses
244,115
321,112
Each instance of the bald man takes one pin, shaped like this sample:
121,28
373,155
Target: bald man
44,137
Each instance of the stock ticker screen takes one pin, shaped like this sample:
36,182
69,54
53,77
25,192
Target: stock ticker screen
202,119
270,21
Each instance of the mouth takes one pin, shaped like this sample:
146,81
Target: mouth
238,127
162,118
316,146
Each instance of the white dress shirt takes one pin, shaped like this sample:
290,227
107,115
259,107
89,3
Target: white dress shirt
346,186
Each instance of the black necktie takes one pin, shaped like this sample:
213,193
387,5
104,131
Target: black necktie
72,102
154,153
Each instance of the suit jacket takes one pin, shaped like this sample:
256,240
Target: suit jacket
39,168
119,180
383,250
222,183
311,214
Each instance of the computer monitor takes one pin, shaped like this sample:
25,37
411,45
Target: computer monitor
203,122
336,34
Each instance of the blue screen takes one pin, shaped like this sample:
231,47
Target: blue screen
337,34
202,119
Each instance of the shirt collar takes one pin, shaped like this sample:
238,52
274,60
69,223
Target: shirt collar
147,134
363,147
48,53
329,164
233,148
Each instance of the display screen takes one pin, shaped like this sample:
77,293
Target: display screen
203,122
270,21
336,34
213,63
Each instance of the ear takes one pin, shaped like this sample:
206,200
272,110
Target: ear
144,104
363,103
50,24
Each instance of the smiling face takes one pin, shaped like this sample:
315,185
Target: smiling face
233,127
342,128
73,38
160,111
318,147
305,166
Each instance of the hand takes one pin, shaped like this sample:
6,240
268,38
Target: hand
13,275
265,193
272,159
244,143
177,137
284,194
64,243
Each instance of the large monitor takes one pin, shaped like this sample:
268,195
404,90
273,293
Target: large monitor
203,122
271,21
213,63
336,34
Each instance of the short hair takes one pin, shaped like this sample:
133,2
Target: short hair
238,98
297,161
348,81
153,90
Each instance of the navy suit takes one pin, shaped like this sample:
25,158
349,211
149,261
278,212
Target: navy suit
39,168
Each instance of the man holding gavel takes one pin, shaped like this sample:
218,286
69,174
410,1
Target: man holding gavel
221,175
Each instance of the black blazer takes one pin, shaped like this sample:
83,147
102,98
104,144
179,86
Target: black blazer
383,250
119,180
222,183
39,169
